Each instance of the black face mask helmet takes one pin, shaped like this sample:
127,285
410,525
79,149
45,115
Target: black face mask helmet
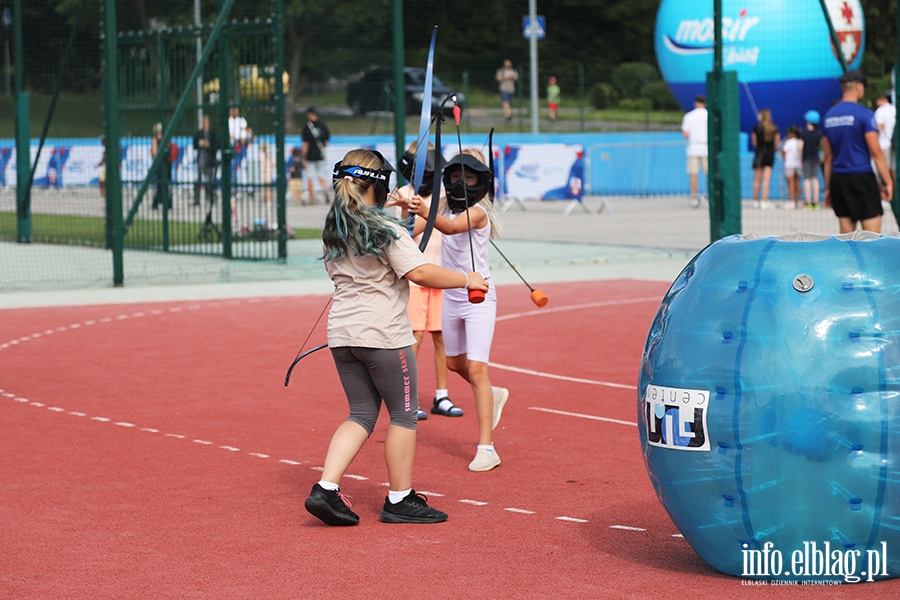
459,195
407,169
381,177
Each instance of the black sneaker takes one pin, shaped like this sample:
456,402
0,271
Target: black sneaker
412,509
331,508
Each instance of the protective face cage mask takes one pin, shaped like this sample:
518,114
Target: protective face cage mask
461,196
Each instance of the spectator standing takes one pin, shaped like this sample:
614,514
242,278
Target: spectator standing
553,93
507,77
791,154
315,139
694,127
295,174
206,144
102,173
163,171
237,126
850,143
886,118
811,136
766,138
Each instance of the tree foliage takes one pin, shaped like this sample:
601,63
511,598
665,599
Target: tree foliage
337,39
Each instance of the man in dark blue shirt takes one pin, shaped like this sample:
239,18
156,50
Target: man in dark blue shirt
850,143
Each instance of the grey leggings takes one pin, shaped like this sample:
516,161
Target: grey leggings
372,374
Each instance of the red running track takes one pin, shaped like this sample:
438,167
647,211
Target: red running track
152,451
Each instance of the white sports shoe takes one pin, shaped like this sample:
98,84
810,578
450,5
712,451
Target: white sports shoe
485,460
501,395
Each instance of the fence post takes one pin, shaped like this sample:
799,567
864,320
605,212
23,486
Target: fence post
227,149
111,139
23,168
280,181
724,152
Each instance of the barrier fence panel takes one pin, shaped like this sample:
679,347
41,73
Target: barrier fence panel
228,125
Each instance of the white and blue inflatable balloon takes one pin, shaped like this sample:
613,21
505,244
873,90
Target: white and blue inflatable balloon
782,52
769,406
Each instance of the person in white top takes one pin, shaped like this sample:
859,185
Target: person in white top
886,119
792,152
237,126
694,127
468,226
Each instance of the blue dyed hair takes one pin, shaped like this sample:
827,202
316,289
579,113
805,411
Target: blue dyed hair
351,225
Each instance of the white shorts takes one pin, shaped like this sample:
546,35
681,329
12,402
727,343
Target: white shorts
469,328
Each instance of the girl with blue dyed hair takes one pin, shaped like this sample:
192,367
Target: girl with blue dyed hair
371,258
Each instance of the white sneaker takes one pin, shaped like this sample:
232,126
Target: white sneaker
756,204
485,460
501,395
695,202
789,206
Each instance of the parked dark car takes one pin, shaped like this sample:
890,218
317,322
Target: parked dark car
375,91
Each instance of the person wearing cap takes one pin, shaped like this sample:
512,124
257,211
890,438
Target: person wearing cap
694,129
850,142
886,118
811,136
315,139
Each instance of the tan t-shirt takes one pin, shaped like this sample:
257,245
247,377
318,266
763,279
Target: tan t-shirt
370,296
432,251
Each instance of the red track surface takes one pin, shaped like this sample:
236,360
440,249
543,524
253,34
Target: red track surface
151,451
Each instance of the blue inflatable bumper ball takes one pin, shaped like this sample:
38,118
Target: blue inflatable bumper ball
769,406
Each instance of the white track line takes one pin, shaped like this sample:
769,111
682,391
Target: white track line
545,311
562,377
627,528
360,477
582,416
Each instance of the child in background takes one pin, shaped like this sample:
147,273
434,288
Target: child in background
370,257
424,306
469,328
792,152
811,136
553,98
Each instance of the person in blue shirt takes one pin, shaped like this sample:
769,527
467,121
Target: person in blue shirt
850,143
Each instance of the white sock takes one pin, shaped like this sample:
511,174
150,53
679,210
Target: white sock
396,497
445,404
327,485
439,394
488,447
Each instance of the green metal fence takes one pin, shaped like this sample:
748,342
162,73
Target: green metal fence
214,190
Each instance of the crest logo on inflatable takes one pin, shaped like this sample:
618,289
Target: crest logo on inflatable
782,52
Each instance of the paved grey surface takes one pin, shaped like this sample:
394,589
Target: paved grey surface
656,268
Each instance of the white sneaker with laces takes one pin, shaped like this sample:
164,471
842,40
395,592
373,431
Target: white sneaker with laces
501,395
485,460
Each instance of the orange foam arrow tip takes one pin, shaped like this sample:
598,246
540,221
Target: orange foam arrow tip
456,112
538,297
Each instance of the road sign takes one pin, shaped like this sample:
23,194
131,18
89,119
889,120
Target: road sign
537,29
